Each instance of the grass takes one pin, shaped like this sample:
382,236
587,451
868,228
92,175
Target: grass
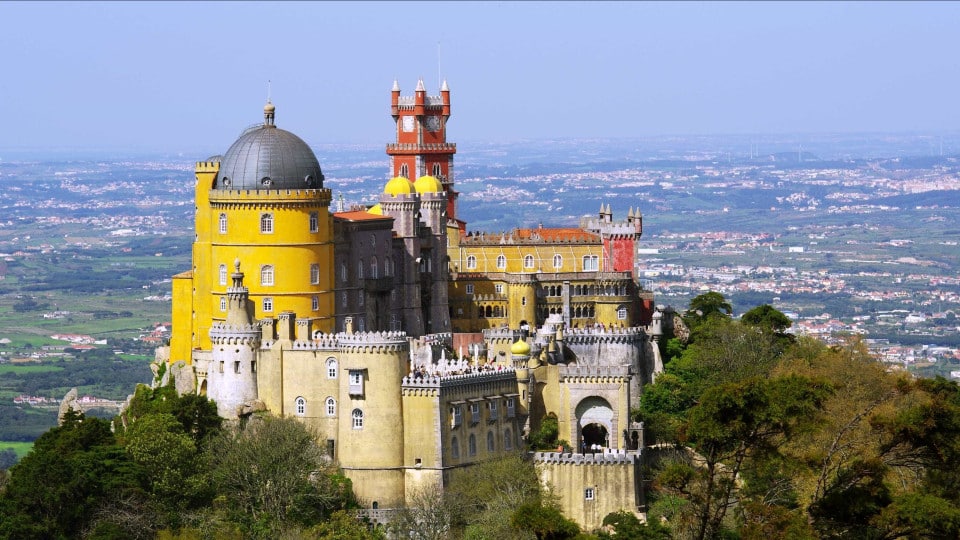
21,448
12,368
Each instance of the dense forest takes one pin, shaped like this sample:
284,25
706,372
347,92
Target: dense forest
751,433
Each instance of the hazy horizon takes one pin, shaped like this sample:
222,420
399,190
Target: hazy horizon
188,77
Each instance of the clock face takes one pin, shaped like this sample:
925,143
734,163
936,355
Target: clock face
433,123
408,123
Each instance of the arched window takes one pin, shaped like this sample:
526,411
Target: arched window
314,274
331,407
501,261
301,406
528,261
404,171
266,223
223,274
315,303
472,445
331,368
357,416
622,313
591,263
343,271
360,269
388,267
436,170
507,440
455,448
314,222
471,262
223,224
557,261
374,271
266,274
268,304
223,303
490,443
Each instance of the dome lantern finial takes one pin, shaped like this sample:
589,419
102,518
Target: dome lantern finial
268,114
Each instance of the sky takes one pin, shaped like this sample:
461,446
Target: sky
189,77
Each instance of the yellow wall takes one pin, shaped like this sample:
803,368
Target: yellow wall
181,320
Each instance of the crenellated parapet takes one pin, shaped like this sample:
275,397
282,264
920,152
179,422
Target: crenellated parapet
220,198
373,342
230,334
595,374
480,376
604,335
608,457
501,335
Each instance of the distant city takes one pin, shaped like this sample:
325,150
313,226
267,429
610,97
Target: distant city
845,234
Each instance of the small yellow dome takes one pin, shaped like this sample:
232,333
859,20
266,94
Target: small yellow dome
376,209
520,348
398,185
428,184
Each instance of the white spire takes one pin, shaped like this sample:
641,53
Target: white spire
420,87
396,86
444,87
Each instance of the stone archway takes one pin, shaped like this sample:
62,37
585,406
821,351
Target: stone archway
595,422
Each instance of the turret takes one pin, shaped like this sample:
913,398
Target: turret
395,99
420,99
445,97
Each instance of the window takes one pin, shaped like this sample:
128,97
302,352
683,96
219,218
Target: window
492,406
314,222
591,263
223,303
436,170
473,445
343,299
268,305
455,448
360,295
356,382
331,368
523,301
622,313
511,408
388,267
266,274
301,406
343,271
374,270
528,261
490,442
315,303
331,407
223,224
588,494
456,414
361,326
404,171
360,269
266,223
501,261
469,288
471,262
507,440
314,274
474,413
557,261
223,274
357,416
498,288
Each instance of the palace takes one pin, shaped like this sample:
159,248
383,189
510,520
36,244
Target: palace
411,345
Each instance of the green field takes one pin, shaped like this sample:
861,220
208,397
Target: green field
20,369
21,448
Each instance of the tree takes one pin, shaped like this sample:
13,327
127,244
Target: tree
546,522
272,474
428,515
77,467
706,306
485,495
768,318
735,423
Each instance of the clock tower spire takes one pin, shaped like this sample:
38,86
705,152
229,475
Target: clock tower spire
421,147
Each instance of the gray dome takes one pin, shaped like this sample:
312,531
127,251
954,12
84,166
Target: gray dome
265,157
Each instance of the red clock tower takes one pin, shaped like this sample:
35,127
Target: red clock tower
422,148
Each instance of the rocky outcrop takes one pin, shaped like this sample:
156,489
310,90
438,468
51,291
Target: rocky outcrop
69,401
